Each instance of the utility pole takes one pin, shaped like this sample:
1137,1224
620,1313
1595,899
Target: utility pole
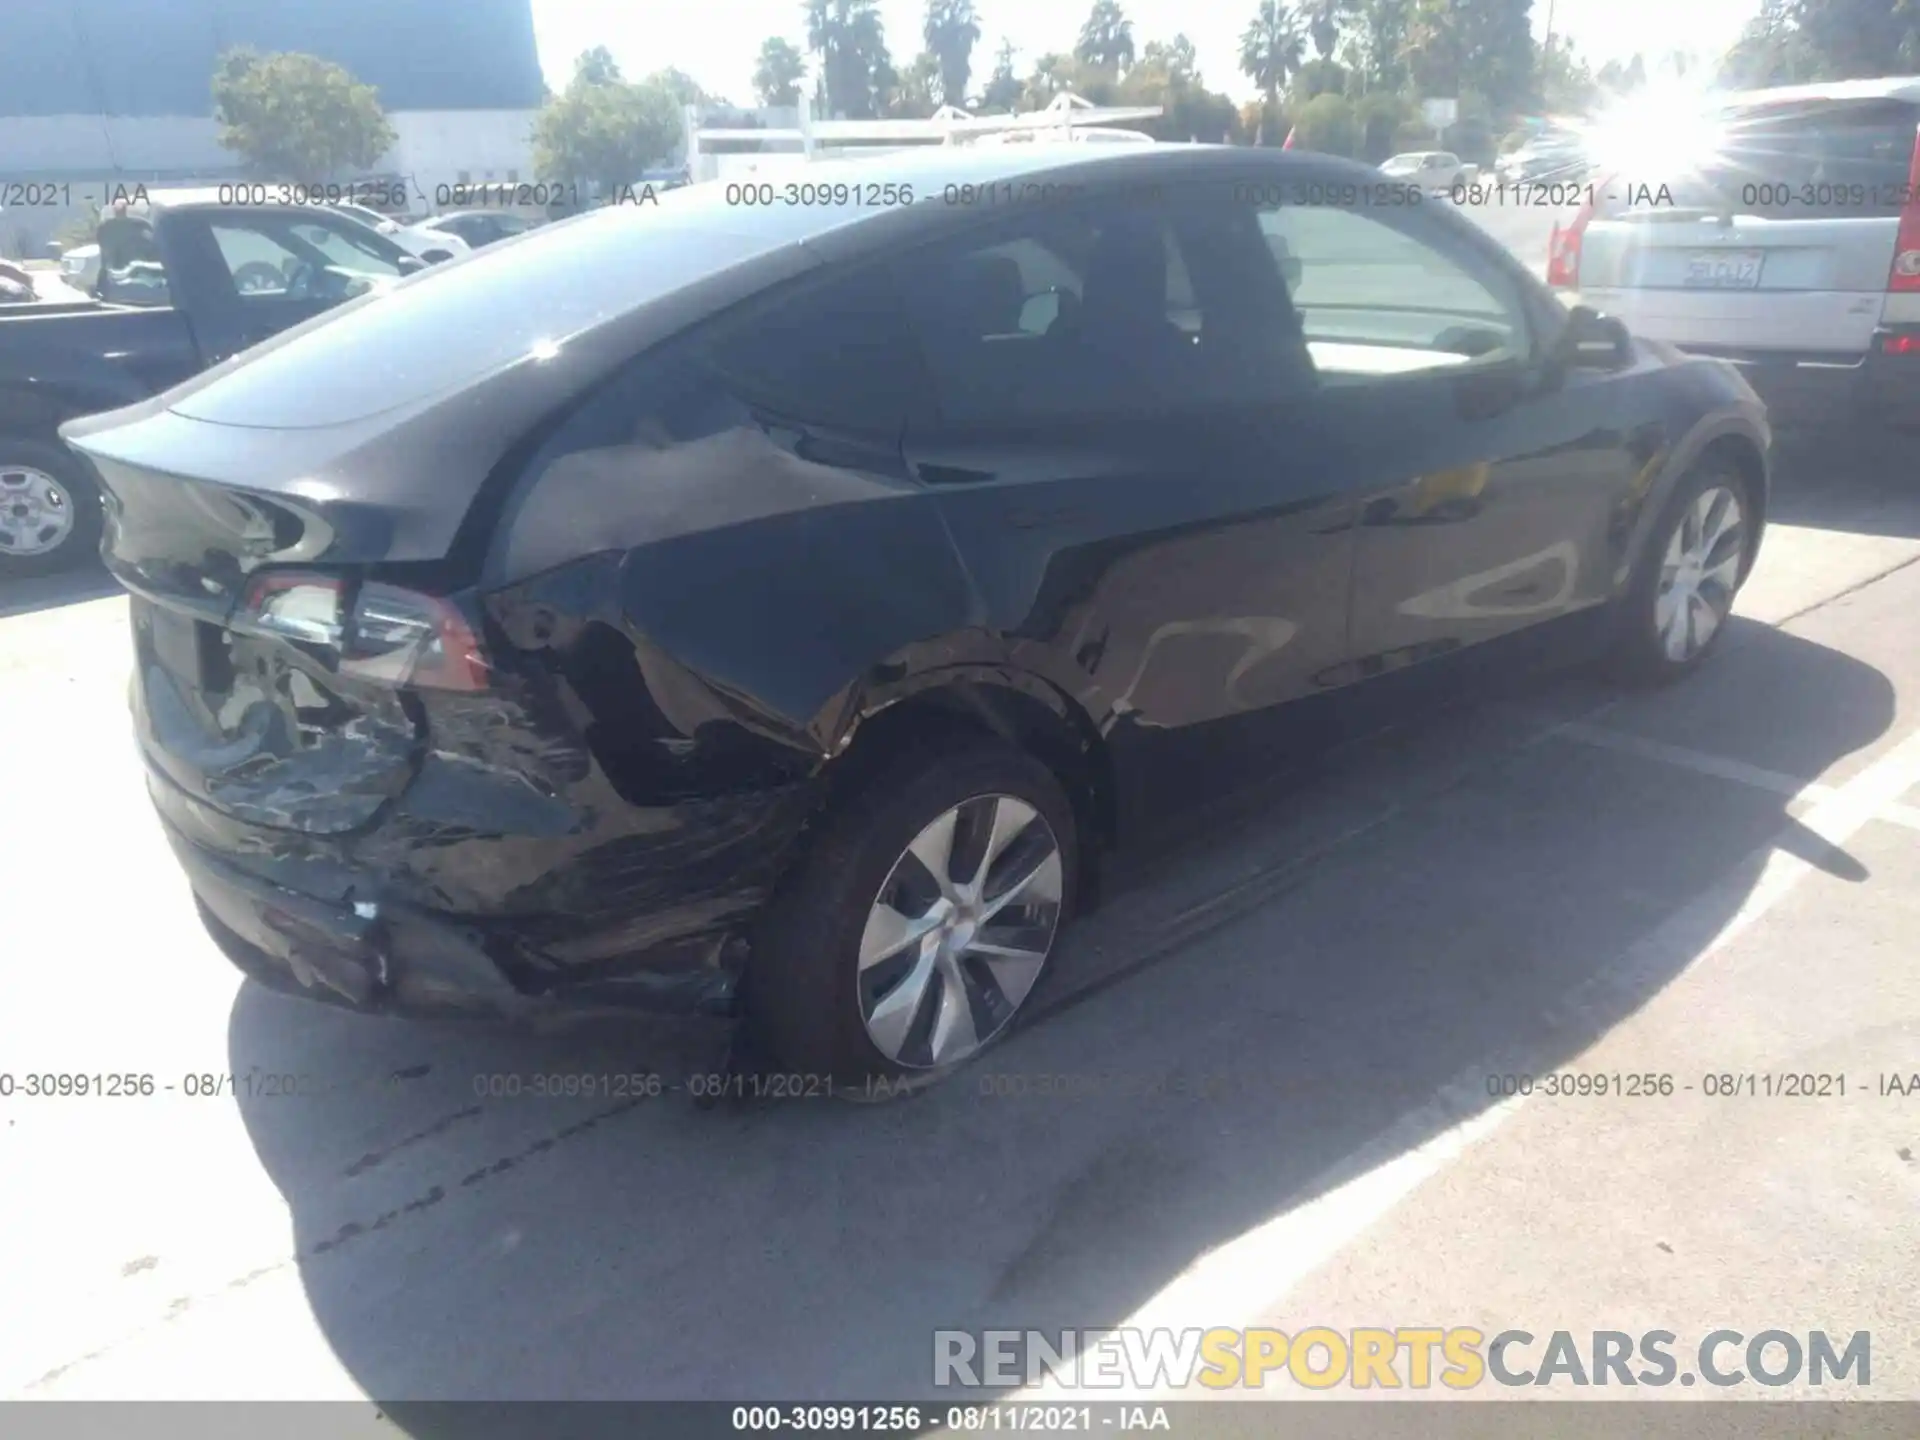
1548,47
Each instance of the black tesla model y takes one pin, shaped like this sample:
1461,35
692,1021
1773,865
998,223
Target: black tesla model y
775,600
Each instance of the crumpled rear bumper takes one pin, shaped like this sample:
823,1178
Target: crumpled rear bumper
388,958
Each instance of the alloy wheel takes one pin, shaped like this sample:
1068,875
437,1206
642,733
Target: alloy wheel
36,513
960,931
1699,573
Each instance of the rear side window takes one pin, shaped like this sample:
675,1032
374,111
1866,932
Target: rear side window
1807,160
1101,308
837,354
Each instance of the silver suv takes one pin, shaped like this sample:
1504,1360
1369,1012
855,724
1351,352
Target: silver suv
1793,249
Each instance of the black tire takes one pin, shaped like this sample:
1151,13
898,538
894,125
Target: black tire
1638,656
82,543
803,985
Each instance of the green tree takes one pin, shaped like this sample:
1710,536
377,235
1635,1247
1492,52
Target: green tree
1318,77
1379,116
778,72
597,66
297,117
1051,74
1563,82
1382,42
1324,21
1327,123
1106,39
1176,61
602,130
855,70
684,89
1859,39
1168,75
917,94
1272,48
951,32
1003,89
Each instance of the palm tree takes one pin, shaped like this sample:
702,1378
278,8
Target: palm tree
1106,40
1272,49
1051,74
776,77
1323,24
951,32
847,36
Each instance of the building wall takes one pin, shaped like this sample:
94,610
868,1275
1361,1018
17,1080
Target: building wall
87,156
156,57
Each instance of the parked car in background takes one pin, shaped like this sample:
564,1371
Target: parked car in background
778,611
1549,159
415,237
476,228
1787,238
1435,171
183,286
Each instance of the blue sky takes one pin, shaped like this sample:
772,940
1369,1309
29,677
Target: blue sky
715,40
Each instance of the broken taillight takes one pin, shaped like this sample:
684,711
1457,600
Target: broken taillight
391,635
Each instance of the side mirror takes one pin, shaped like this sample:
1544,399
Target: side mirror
411,264
1592,341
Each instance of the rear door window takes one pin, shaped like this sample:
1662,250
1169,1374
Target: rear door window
1083,310
836,354
1804,160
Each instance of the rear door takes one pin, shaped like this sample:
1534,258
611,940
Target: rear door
1780,240
1131,463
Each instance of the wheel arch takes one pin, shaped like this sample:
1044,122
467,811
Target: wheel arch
1732,440
1015,706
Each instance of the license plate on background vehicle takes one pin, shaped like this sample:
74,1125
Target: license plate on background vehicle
1724,269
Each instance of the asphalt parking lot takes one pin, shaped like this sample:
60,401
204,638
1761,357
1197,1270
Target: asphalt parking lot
1280,1044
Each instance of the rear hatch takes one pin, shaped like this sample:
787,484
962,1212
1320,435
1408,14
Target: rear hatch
1780,240
241,697
300,526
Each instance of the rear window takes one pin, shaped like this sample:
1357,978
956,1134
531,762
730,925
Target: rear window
444,328
1805,160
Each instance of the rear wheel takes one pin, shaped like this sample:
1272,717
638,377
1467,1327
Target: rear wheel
1676,608
49,510
921,920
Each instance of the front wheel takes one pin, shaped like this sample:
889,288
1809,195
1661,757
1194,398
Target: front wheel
920,921
1676,607
50,514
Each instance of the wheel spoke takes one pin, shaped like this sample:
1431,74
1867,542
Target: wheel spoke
1014,967
1038,879
933,848
1006,819
1665,604
891,1020
1706,620
889,932
954,1033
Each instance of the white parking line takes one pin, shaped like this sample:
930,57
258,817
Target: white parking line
1235,1284
1697,761
1701,763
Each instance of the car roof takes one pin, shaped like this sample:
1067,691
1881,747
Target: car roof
1886,87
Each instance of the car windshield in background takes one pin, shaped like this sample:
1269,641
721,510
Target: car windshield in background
1802,160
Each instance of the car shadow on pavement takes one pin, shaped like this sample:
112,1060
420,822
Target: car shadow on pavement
1262,1012
1855,476
49,592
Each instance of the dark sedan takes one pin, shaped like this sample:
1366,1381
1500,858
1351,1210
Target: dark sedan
756,606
